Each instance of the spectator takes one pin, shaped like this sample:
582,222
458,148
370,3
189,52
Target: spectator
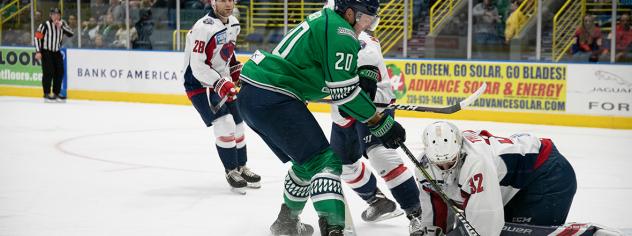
624,37
117,11
144,29
89,29
485,19
588,41
72,24
202,4
108,28
38,16
98,8
514,21
98,41
121,40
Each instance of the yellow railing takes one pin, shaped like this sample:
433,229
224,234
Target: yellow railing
8,7
244,21
605,8
183,39
565,23
528,8
270,14
391,28
440,11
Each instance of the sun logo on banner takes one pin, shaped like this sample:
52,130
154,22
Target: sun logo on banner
398,80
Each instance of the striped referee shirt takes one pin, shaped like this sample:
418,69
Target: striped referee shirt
49,37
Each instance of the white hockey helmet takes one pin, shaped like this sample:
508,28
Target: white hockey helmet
442,141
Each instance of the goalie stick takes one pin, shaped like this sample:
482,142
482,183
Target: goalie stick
443,110
462,226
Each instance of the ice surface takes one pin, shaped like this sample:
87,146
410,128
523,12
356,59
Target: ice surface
108,168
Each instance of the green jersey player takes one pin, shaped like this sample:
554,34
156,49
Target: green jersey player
316,59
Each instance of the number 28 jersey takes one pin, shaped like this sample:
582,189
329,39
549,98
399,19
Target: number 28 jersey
316,59
209,50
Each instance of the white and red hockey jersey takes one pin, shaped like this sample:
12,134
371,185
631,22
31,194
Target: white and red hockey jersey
210,47
370,54
490,172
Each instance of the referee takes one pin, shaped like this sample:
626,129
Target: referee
48,39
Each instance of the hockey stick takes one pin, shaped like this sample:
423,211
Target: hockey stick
464,228
443,110
215,109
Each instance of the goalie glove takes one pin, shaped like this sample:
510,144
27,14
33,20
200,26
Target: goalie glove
388,131
224,87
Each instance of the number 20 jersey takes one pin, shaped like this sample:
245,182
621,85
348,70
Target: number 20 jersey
316,59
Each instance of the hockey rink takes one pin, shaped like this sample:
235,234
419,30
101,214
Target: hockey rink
111,168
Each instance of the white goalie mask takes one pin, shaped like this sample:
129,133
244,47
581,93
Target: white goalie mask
442,141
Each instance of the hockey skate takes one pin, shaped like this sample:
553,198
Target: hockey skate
285,224
253,180
236,182
49,98
329,230
380,208
416,228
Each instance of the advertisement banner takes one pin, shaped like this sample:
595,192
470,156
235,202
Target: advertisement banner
600,90
19,67
510,86
125,71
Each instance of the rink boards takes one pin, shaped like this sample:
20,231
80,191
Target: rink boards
590,95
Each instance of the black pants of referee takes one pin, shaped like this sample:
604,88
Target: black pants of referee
52,70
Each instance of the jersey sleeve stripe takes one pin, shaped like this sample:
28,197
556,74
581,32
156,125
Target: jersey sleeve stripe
545,151
326,57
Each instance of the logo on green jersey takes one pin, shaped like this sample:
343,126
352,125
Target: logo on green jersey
397,80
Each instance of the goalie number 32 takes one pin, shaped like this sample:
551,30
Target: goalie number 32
476,183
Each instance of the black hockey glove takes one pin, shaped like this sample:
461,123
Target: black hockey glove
389,132
369,75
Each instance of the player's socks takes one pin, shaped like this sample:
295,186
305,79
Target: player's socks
398,178
228,157
407,195
361,179
323,171
296,192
